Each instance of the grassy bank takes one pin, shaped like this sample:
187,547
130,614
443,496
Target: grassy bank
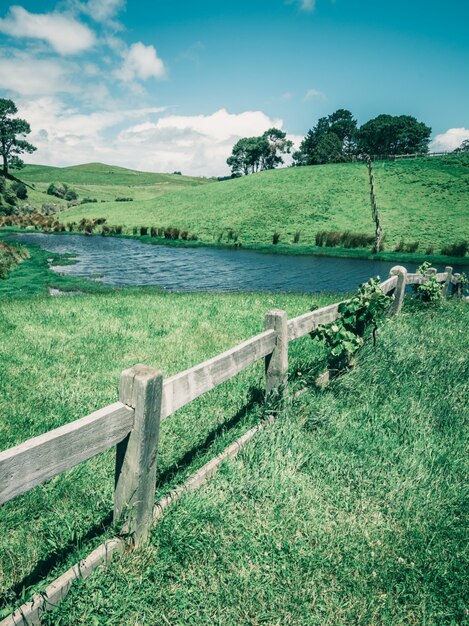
33,275
349,510
61,358
423,200
10,257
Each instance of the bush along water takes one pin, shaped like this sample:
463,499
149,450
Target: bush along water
343,337
431,290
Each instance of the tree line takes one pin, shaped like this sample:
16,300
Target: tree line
335,138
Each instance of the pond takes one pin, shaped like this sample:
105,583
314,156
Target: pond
116,261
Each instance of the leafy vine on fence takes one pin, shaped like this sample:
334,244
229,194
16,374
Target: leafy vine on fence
431,290
343,337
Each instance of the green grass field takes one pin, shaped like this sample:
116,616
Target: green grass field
103,182
348,510
421,200
61,358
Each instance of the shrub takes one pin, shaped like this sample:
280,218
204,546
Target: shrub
220,237
184,235
71,195
193,237
167,233
124,200
429,250
134,230
88,200
20,190
296,237
9,197
175,233
153,231
143,231
275,238
456,249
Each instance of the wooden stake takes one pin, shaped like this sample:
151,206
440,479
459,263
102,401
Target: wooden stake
141,389
276,364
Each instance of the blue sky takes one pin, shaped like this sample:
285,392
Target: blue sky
169,86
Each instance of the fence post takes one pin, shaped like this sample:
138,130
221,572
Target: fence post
276,364
141,388
456,287
446,284
401,273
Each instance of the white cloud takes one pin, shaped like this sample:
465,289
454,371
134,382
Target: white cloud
450,140
197,145
102,10
64,33
141,62
312,94
28,76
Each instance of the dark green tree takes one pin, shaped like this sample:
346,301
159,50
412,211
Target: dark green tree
246,155
331,140
394,134
12,133
252,154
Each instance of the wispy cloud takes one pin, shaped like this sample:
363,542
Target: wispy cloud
304,5
63,32
28,76
313,94
102,10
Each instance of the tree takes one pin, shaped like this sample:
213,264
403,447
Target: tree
399,134
277,144
331,140
246,155
12,134
251,154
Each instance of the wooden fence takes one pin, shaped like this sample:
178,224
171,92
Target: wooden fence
145,399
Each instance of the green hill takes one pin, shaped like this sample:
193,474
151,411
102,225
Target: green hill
101,174
423,200
103,183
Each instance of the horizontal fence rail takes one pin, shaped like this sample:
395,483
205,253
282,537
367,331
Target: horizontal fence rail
180,389
41,458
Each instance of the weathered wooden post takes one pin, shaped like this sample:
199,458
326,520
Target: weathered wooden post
447,283
456,290
401,273
276,364
141,388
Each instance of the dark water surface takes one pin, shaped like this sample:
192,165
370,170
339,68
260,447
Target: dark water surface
117,261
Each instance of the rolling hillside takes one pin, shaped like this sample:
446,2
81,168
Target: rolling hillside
423,200
104,183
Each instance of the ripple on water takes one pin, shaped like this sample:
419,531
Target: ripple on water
122,262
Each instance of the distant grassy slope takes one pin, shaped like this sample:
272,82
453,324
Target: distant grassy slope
103,182
424,200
